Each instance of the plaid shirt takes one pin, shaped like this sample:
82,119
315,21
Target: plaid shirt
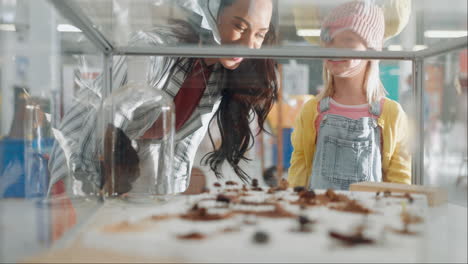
75,155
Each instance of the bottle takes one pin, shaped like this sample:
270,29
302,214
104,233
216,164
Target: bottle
38,142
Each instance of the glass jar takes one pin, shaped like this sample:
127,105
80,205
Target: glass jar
138,141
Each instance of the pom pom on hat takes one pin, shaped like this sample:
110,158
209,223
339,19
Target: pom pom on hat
397,15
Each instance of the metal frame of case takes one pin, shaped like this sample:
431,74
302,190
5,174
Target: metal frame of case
75,15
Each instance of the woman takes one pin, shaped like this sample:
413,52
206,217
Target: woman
232,89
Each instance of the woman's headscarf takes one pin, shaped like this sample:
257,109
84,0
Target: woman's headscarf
204,13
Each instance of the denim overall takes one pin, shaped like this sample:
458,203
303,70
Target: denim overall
347,151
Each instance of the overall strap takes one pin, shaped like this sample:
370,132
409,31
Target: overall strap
376,108
324,104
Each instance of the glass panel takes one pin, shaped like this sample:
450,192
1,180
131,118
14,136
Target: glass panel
269,159
302,81
445,129
201,90
410,25
41,73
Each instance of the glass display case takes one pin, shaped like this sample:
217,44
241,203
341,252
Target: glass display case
63,72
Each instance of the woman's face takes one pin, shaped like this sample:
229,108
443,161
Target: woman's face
342,67
244,23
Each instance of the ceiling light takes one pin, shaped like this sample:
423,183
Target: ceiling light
308,32
445,33
395,47
7,27
67,28
419,47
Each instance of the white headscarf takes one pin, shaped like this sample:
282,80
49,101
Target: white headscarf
208,11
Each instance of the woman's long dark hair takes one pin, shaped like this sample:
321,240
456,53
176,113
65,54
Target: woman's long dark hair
247,92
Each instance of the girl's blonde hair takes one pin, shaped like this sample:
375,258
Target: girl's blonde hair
372,83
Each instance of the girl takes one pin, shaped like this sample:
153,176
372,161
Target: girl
350,133
228,91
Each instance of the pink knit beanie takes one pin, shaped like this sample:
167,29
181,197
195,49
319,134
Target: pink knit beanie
365,19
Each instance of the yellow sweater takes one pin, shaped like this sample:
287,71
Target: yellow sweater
396,160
